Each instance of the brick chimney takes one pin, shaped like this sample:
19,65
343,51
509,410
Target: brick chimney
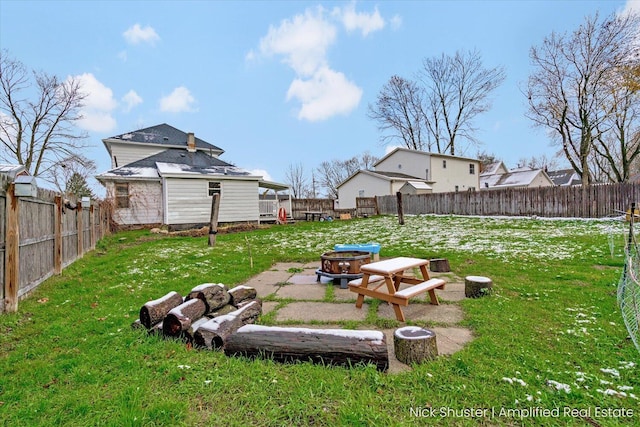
191,142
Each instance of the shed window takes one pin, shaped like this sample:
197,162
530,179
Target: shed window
472,169
214,188
122,195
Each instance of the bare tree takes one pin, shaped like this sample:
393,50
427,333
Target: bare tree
38,132
398,109
296,178
333,173
569,90
74,169
457,90
539,162
616,151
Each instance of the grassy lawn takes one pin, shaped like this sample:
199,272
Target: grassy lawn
550,345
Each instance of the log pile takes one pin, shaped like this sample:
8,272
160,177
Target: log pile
206,317
212,317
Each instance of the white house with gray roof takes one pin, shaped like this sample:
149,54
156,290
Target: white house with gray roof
496,176
162,175
411,172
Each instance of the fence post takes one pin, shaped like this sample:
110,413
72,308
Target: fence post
92,225
12,252
79,227
57,240
400,212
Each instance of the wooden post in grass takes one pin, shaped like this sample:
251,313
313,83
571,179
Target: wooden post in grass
213,223
400,212
12,251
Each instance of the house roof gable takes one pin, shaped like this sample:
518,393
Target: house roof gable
162,135
175,161
423,153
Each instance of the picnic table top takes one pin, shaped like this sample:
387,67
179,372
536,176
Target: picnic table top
393,265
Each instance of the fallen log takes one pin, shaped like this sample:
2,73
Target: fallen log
214,295
189,334
241,293
327,346
180,318
154,311
249,311
214,333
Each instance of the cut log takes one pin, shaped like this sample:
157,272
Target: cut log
154,311
241,293
189,334
439,265
214,333
326,346
477,286
413,344
214,295
222,311
249,311
156,329
180,318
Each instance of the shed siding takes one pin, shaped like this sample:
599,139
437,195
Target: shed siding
188,201
145,203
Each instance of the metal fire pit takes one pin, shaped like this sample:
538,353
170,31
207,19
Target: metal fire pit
343,266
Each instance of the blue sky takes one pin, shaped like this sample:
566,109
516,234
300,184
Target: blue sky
280,82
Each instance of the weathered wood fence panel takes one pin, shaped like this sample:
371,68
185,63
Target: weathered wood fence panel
48,239
596,201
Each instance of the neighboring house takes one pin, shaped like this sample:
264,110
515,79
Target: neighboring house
496,176
12,171
565,177
161,175
411,172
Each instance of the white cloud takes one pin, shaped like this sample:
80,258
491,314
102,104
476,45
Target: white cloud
396,22
261,172
632,6
131,99
324,95
180,100
302,41
362,21
390,148
98,105
137,35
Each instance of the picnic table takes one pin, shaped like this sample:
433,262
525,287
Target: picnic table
390,272
313,215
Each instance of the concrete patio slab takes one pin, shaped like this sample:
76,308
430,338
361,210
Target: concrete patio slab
313,291
443,313
319,311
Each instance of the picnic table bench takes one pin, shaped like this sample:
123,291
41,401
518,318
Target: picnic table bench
390,272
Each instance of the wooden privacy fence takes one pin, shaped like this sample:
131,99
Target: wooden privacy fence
40,236
595,201
365,206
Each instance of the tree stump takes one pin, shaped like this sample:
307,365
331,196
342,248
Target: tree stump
413,344
154,311
439,265
477,286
